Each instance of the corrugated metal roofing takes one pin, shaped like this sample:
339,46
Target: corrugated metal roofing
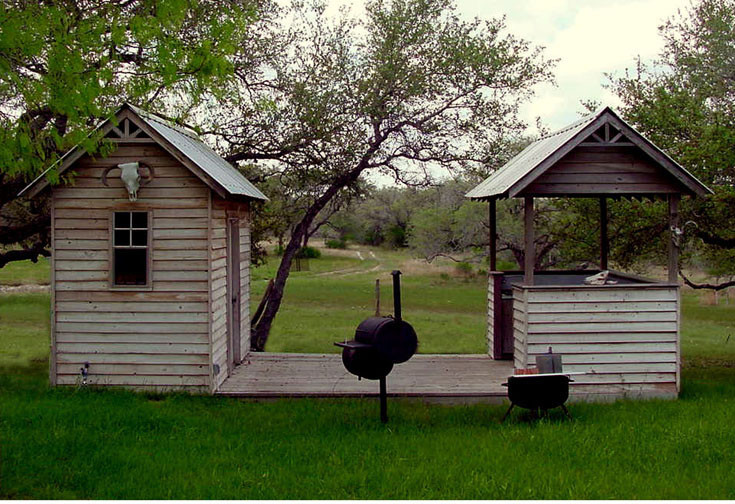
511,178
190,145
530,157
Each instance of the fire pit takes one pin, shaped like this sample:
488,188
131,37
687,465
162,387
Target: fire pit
380,342
538,392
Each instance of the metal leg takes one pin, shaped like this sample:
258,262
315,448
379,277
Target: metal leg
566,412
383,402
507,412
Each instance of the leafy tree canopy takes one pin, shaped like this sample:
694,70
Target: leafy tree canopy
67,64
685,103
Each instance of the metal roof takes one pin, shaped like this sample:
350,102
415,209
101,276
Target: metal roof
510,177
515,169
189,145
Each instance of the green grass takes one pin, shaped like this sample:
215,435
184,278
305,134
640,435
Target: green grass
25,272
88,443
444,311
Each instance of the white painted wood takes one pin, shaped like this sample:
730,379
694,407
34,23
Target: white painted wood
125,380
131,358
104,338
139,369
125,327
539,348
244,280
132,317
137,348
621,336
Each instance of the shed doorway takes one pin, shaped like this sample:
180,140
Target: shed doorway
233,288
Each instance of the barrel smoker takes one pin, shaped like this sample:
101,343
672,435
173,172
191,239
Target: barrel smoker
380,342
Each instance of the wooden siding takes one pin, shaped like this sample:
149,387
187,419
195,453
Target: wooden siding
218,259
520,340
608,170
221,211
244,280
144,338
626,338
494,315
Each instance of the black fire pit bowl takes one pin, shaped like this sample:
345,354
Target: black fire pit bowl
538,392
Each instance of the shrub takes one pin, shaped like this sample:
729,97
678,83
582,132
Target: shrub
336,244
464,268
506,265
308,253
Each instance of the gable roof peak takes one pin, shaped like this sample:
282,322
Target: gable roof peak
182,143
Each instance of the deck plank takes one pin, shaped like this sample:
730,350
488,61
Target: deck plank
323,375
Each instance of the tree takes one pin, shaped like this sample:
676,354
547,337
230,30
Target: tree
685,103
68,64
408,87
453,226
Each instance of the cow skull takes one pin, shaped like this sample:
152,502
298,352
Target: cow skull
131,179
130,175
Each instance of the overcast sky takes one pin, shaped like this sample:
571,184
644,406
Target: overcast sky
589,37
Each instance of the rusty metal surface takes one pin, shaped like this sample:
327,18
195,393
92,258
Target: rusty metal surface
514,170
199,153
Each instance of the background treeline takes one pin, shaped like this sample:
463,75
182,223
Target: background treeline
438,221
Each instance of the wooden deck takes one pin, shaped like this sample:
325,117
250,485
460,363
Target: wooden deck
441,378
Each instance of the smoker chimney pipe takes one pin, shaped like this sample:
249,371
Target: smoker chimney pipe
396,295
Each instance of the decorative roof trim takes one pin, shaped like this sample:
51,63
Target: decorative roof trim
523,169
140,118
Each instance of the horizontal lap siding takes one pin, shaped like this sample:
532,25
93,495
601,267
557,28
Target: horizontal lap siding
218,258
145,339
520,344
594,170
625,339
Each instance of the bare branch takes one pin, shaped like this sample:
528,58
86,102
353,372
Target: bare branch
714,287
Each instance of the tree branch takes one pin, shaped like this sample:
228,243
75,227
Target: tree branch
715,287
711,239
32,253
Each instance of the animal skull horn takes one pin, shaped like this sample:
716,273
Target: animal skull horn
131,177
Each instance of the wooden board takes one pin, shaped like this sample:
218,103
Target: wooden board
621,337
319,375
154,337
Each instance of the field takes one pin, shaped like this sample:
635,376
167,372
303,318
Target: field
87,443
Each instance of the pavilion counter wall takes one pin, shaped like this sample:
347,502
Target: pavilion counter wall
625,337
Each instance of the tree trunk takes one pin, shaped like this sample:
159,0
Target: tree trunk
299,235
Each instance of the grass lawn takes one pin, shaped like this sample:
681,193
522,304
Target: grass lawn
25,272
88,443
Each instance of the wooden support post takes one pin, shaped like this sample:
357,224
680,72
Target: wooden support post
674,238
493,249
529,247
377,297
604,244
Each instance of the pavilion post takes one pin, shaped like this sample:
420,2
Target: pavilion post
674,238
604,243
530,248
493,249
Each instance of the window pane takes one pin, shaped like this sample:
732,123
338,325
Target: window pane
140,220
122,219
122,237
130,266
140,238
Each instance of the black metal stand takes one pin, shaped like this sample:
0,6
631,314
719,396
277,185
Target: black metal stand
383,402
507,412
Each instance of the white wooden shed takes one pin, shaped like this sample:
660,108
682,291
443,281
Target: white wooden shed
150,260
625,335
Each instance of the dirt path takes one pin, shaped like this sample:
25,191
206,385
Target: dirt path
352,271
23,289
